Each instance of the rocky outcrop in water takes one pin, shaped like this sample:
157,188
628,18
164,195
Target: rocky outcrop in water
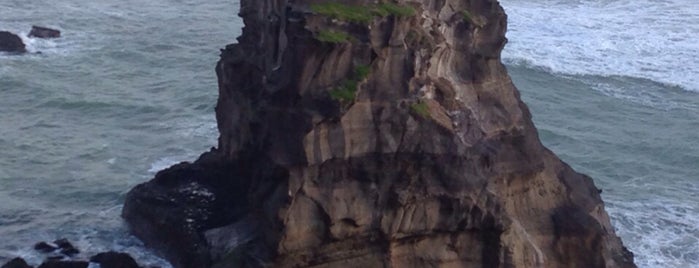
365,134
10,42
16,263
62,254
44,32
114,260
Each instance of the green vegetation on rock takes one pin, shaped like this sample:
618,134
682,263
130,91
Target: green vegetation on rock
467,15
358,14
348,88
345,92
361,14
421,109
362,71
332,36
394,9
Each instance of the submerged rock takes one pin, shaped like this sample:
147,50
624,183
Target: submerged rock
10,42
390,135
43,32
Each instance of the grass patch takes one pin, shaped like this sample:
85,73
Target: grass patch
346,92
332,36
362,71
361,14
395,9
358,14
467,15
421,109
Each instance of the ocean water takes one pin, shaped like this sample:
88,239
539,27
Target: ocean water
130,89
613,86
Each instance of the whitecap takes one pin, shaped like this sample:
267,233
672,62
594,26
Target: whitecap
635,38
661,233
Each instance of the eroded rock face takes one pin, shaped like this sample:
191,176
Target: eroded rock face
397,141
10,42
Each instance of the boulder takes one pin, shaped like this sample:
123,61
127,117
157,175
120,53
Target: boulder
43,32
16,263
10,42
113,259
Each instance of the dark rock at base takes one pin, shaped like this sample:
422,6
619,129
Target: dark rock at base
172,212
63,243
44,247
43,32
10,42
114,260
16,263
64,264
66,247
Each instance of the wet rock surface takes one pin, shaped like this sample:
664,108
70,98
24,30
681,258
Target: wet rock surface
114,260
44,247
394,139
44,32
16,263
12,43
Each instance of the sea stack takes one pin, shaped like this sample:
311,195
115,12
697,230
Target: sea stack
362,133
10,42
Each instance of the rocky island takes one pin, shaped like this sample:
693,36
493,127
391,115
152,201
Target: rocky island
358,133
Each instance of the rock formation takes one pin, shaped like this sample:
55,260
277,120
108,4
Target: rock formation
16,263
114,260
43,32
62,254
362,133
10,42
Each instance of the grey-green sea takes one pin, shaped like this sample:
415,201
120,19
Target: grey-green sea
130,89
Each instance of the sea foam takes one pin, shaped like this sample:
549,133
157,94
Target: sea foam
636,38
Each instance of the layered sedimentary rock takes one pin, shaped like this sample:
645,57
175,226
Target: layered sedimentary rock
365,134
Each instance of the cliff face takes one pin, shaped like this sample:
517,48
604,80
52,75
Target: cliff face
364,134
